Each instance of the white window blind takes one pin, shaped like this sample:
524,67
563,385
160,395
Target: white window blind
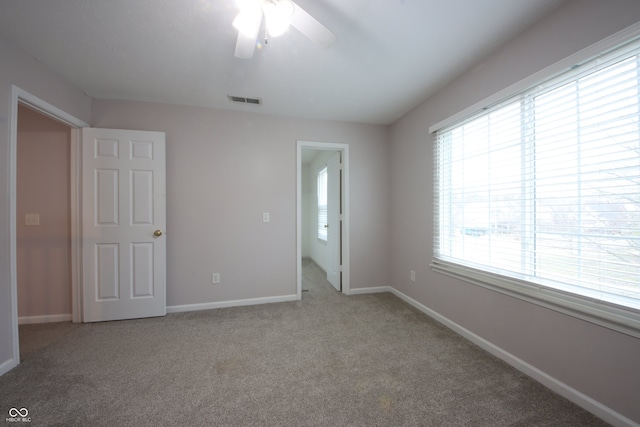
322,203
543,189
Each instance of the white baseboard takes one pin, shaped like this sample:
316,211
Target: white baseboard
49,318
7,366
234,303
371,290
318,264
575,396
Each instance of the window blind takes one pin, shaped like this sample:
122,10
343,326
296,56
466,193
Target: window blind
544,187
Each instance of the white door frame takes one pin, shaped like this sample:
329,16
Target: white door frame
344,148
20,96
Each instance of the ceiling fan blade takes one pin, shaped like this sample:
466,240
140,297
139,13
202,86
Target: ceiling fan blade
245,46
248,35
311,27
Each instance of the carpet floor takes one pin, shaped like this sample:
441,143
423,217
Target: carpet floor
327,360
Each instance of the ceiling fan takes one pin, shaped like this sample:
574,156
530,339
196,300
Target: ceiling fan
278,14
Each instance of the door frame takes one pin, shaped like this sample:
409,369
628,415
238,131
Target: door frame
21,96
346,271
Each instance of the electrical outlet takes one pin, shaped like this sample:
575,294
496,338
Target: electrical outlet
215,278
413,276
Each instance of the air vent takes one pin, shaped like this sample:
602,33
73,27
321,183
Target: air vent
243,100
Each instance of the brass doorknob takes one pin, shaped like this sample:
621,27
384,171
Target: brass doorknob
157,233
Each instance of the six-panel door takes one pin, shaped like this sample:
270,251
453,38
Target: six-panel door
123,223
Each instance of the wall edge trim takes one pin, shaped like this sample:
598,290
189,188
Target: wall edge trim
231,303
7,366
47,318
370,290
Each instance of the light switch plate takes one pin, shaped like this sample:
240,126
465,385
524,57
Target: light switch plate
266,217
32,219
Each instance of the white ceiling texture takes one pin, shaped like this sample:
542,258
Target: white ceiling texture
389,55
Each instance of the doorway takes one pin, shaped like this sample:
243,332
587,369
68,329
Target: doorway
20,96
311,240
43,218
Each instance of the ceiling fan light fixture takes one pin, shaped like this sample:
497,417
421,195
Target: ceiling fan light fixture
248,21
278,16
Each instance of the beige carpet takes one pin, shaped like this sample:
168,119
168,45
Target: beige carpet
328,360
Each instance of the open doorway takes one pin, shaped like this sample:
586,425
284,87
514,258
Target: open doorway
43,218
322,211
22,97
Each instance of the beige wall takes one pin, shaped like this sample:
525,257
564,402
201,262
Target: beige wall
224,169
43,187
27,73
599,362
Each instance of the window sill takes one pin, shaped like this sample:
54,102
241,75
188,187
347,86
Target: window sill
626,321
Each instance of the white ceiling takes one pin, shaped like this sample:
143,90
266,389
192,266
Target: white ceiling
389,54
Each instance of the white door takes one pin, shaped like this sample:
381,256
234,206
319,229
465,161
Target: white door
123,222
333,221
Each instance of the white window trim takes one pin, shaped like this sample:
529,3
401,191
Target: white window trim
598,312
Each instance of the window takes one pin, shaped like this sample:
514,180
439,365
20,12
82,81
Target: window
539,195
322,204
